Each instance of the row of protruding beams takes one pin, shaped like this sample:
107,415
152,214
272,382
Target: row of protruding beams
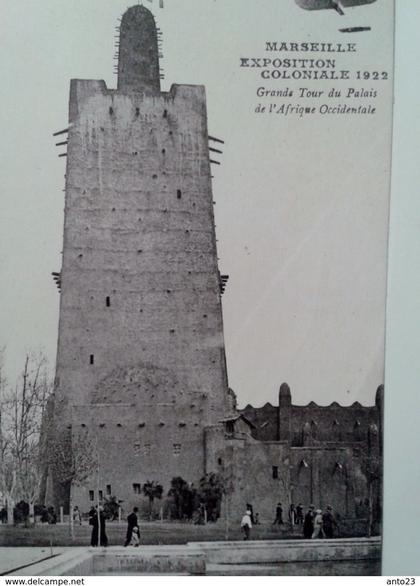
57,280
62,142
211,149
223,282
213,139
57,276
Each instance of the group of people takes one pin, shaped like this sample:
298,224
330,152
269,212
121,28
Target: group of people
316,523
97,520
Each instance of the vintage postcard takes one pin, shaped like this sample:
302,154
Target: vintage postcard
195,235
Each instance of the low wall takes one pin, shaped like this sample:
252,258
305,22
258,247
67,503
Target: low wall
306,550
193,558
157,561
77,562
120,561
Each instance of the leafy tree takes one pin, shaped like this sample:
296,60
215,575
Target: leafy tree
21,512
152,490
183,497
112,507
210,493
72,459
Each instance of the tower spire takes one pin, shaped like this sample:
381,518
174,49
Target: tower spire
138,63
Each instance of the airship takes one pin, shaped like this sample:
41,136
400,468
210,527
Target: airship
337,5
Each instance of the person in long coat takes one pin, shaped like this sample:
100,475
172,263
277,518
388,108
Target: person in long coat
329,523
299,514
308,523
95,520
132,522
279,515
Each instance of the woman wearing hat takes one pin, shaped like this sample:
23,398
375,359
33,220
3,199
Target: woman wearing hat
318,522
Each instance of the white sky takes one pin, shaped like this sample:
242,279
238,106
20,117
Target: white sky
302,204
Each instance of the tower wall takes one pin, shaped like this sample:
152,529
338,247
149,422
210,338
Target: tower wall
140,331
140,280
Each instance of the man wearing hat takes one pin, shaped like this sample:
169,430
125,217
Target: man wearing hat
329,522
308,524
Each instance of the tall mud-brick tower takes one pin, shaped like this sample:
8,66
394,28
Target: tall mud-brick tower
141,367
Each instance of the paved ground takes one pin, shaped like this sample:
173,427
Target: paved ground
14,557
154,533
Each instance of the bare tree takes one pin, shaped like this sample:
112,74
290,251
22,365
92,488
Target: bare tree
22,409
4,440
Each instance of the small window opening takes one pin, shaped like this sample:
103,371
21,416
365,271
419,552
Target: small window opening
154,176
91,495
163,151
178,193
108,301
111,110
92,359
101,495
137,111
219,461
275,471
137,488
108,490
165,113
230,427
